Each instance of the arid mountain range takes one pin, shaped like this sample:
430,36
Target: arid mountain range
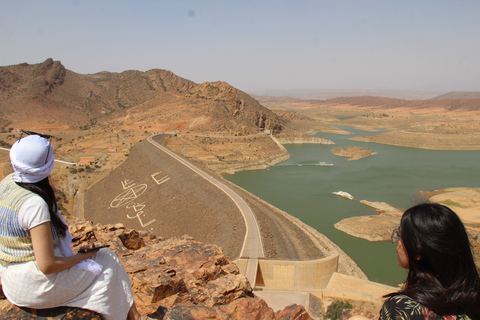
332,93
157,98
103,115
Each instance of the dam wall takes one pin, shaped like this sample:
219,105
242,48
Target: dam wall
299,275
313,284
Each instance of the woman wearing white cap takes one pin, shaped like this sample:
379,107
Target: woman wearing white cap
37,266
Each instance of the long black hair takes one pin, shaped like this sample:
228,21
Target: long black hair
44,189
442,273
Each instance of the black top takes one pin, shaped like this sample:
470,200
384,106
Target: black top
401,307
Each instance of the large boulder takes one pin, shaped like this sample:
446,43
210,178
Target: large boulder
293,312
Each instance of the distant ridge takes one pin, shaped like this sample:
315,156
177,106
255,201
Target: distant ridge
387,103
458,95
320,94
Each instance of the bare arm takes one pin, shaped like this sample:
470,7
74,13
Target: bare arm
44,255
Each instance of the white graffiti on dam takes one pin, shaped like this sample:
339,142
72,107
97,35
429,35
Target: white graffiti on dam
128,199
161,180
132,192
138,208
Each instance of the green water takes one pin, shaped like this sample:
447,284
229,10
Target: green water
395,175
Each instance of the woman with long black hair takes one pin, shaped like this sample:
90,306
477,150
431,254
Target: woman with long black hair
443,281
37,266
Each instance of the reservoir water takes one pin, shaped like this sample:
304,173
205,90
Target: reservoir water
396,175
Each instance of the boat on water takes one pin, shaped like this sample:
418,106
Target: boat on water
344,194
324,164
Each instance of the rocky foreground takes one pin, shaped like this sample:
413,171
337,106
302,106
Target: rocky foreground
178,278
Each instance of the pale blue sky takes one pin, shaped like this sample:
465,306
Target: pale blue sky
256,45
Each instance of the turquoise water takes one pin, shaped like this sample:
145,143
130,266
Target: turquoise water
395,175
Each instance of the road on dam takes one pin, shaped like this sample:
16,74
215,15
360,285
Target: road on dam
252,247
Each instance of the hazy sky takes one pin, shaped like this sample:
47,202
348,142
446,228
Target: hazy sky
256,45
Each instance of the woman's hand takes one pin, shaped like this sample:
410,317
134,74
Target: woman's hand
42,242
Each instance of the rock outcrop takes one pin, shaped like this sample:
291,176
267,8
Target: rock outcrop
177,278
293,312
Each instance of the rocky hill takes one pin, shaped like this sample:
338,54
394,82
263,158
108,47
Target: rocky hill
51,93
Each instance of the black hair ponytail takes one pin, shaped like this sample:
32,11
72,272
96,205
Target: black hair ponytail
44,189
442,272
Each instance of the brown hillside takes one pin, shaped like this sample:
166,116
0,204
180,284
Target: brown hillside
156,98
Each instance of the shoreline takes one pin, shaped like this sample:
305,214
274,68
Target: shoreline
465,202
427,141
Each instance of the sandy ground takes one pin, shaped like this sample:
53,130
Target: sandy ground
464,201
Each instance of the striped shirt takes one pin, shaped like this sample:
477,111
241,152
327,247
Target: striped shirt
15,241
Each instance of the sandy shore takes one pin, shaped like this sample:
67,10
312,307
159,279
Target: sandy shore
464,201
353,153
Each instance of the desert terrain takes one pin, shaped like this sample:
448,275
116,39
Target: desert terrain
438,124
106,116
